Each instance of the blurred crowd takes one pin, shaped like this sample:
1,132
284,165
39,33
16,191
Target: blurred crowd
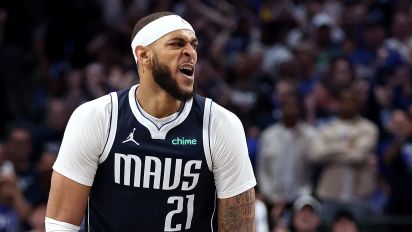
323,88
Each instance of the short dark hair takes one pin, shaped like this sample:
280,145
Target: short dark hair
344,213
21,125
148,19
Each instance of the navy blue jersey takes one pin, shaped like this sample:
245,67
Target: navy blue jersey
161,184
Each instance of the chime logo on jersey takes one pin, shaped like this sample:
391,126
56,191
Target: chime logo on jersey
148,174
184,141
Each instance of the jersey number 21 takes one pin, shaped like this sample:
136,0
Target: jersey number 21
180,201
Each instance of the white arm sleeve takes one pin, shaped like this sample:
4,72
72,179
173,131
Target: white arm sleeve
58,226
232,168
84,140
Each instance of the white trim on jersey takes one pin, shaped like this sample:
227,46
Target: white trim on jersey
113,127
206,133
88,214
213,214
155,132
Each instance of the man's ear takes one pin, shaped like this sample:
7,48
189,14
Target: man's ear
143,55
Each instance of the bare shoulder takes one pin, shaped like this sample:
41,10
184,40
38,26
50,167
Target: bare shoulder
237,213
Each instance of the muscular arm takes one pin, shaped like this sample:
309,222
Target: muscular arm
67,200
233,173
237,214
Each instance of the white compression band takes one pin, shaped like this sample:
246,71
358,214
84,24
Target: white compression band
58,226
158,28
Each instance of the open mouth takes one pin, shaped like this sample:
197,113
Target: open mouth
187,69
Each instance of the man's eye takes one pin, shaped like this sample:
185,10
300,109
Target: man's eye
177,44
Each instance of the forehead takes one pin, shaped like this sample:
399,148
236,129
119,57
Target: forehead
19,134
308,208
181,34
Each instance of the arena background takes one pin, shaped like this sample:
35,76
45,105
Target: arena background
253,54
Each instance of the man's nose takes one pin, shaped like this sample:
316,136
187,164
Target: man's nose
190,51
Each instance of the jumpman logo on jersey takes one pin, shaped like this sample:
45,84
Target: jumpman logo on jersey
130,138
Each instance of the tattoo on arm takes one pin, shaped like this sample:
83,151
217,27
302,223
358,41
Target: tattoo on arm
237,213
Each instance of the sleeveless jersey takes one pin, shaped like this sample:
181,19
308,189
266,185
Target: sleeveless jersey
149,185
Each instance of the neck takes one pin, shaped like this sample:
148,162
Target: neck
348,117
289,123
156,102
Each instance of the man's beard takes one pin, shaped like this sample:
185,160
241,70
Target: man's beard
163,77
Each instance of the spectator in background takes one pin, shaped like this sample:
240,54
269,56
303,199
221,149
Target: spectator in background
305,218
210,82
304,66
52,130
243,93
307,211
18,151
24,180
44,168
401,40
283,165
398,157
364,55
340,74
326,36
401,84
275,50
119,78
261,218
36,218
282,89
96,80
344,221
344,147
2,153
320,103
12,204
74,92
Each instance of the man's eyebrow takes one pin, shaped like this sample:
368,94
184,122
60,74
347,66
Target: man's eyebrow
180,39
194,40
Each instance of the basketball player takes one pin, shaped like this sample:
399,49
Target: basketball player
157,156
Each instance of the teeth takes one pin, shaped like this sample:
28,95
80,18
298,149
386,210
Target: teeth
187,69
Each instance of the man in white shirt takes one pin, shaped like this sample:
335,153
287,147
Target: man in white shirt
284,169
155,157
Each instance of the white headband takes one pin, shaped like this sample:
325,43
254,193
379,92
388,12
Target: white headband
158,28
